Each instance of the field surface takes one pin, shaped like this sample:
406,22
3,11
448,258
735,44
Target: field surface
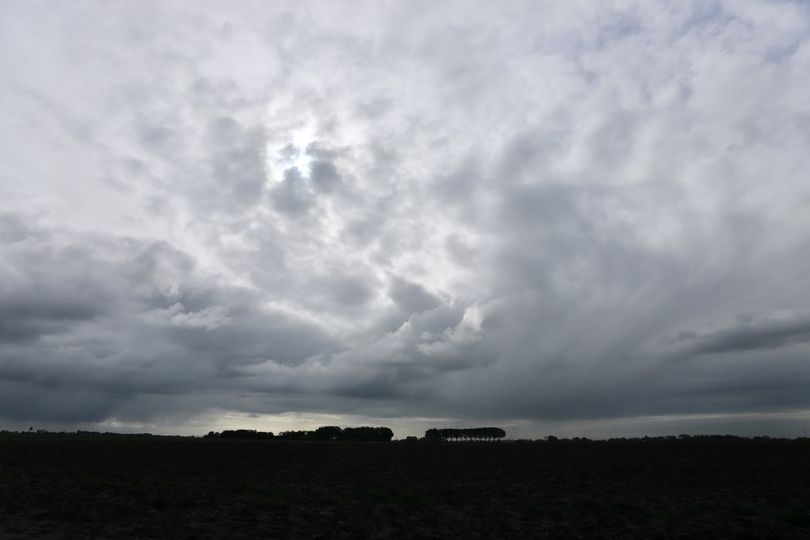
192,488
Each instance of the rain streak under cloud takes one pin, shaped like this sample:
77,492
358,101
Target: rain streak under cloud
559,217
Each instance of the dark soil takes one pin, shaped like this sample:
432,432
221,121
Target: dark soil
192,488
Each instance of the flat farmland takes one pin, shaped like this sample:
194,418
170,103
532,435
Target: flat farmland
192,488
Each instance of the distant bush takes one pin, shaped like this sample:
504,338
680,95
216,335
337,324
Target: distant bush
466,434
335,433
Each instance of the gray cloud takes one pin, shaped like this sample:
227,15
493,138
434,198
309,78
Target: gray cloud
411,297
292,196
145,322
532,212
27,314
750,336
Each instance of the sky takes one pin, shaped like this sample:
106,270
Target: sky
569,218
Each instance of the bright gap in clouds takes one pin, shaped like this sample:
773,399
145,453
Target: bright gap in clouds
292,152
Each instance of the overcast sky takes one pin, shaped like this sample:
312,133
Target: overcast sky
558,217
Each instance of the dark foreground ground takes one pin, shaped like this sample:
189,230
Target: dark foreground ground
187,488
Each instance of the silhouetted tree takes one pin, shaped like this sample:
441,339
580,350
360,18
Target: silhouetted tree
365,433
246,434
327,433
480,434
433,434
295,435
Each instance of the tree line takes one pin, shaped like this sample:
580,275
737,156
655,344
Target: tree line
243,434
465,434
323,433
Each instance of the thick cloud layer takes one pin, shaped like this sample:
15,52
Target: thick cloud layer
576,213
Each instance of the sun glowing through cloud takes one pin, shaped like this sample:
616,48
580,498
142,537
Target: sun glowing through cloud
290,150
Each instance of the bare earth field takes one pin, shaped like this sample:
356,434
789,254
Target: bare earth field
191,488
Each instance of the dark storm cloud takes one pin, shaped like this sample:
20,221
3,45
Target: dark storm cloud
250,337
27,314
35,404
126,318
751,336
34,300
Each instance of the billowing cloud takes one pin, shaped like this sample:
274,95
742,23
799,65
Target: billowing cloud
580,213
